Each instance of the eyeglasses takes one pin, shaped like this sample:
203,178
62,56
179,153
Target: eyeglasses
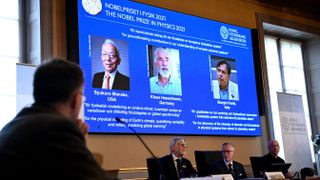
83,98
81,113
82,95
182,144
227,151
110,55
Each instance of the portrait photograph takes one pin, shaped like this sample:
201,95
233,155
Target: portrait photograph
223,77
110,63
164,70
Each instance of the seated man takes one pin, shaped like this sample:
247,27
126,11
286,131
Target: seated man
272,157
174,166
228,165
47,139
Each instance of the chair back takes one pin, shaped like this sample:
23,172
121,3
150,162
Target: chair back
205,161
154,169
306,172
256,165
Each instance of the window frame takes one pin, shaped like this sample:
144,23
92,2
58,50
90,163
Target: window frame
295,31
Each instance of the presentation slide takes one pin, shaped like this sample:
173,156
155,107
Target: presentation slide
165,72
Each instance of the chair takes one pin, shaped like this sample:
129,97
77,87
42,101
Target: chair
205,160
256,165
154,169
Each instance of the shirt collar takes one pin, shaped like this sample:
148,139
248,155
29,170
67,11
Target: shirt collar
227,88
111,74
175,157
169,82
228,163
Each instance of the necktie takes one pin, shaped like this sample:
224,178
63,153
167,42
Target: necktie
107,82
179,168
231,170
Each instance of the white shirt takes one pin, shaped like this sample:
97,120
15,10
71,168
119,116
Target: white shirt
111,80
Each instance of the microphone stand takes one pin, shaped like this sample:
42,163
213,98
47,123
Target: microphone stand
145,145
139,137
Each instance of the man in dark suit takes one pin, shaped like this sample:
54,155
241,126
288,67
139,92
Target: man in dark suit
174,166
47,140
110,78
228,165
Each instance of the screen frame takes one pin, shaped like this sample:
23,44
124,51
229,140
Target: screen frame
73,55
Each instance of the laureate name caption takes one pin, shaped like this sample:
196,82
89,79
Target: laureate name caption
166,100
111,95
227,104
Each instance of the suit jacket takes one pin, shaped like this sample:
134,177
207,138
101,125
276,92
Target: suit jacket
219,167
232,90
42,144
121,81
170,171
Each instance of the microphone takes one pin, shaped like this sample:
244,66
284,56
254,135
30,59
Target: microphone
158,174
135,132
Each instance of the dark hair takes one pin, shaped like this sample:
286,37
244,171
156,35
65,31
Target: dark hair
307,171
228,143
227,64
55,81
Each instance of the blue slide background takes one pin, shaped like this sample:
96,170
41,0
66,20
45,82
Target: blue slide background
196,112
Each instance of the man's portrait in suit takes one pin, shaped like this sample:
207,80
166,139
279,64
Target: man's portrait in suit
224,78
110,64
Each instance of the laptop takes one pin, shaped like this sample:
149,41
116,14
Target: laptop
283,167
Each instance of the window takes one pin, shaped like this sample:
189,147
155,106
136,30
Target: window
9,22
9,56
285,74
